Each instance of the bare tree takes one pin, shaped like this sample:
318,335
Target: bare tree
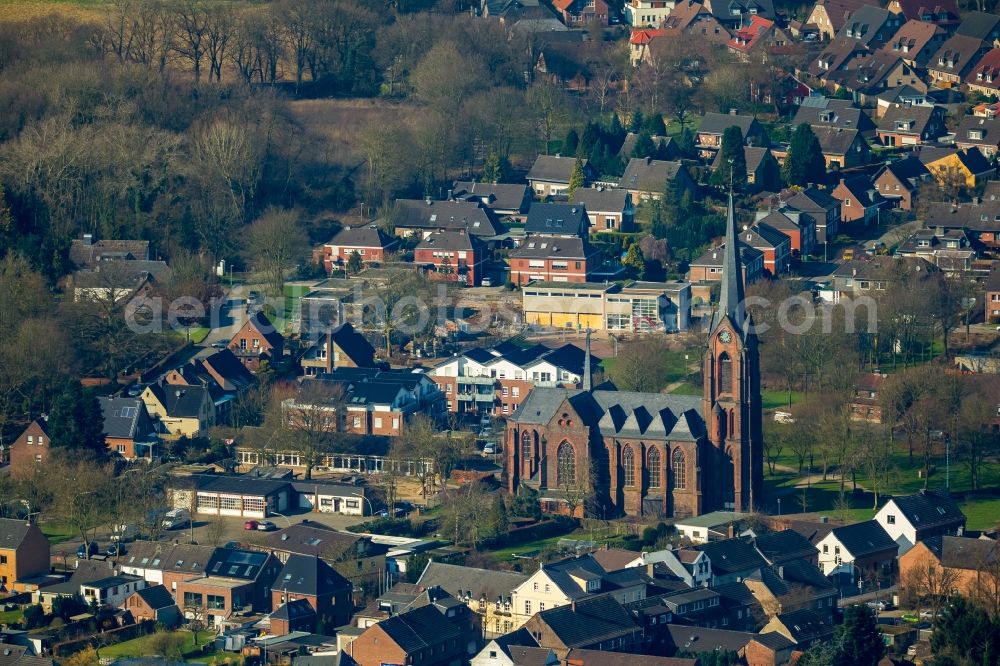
929,585
192,18
309,423
219,32
274,242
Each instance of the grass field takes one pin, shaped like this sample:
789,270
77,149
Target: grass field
11,617
23,10
138,647
57,532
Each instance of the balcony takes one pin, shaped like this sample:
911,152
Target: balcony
485,397
479,381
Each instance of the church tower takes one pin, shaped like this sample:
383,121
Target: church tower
731,393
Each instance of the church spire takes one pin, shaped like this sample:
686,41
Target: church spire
731,295
587,381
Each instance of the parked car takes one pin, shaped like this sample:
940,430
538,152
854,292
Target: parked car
86,552
486,282
489,449
486,421
250,525
124,532
266,526
116,549
880,605
176,518
928,614
220,344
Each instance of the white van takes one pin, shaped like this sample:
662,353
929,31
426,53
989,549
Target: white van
176,518
124,533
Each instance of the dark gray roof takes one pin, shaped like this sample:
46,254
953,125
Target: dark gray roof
966,553
868,23
181,401
557,219
648,175
157,597
553,169
809,200
864,538
589,621
774,640
989,129
461,581
21,655
700,639
805,625
293,610
419,629
958,53
715,256
238,485
783,546
121,274
979,25
921,115
863,191
450,240
314,539
730,556
834,140
236,563
601,200
668,143
125,418
728,11
471,216
496,196
325,486
555,247
309,575
761,235
927,510
910,171
85,254
12,532
718,123
363,236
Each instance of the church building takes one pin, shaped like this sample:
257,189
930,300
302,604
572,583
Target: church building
609,452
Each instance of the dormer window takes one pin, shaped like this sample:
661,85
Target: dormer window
976,134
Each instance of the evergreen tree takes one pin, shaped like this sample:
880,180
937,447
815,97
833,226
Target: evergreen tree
644,146
76,420
635,126
633,258
655,125
592,136
354,261
576,179
685,141
495,168
805,163
732,159
571,142
858,639
967,633
616,133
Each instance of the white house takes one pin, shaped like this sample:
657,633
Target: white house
503,651
326,497
111,591
713,526
692,566
858,548
912,518
644,13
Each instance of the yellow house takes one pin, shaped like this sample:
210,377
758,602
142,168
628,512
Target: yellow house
183,410
960,168
632,307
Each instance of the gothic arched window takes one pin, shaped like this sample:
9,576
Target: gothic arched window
725,373
628,465
566,460
680,470
653,467
526,451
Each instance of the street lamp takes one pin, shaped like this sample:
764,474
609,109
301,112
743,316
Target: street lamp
288,523
779,506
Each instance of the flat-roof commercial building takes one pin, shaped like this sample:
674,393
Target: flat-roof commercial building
631,307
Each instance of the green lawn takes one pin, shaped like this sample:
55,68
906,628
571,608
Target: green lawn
138,647
982,513
57,532
533,546
11,617
687,388
199,334
779,399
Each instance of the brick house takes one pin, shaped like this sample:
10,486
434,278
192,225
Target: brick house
916,42
822,207
340,347
597,623
969,561
128,429
861,549
453,256
24,554
911,125
292,616
831,15
234,580
979,132
607,209
441,633
899,182
308,579
578,13
955,59
155,604
506,200
552,259
859,200
418,218
985,76
258,341
775,246
708,267
865,405
799,227
842,149
31,448
803,627
992,298
369,242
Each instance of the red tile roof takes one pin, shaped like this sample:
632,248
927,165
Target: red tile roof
989,67
747,38
646,35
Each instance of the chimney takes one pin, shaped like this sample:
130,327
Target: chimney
88,239
731,531
732,112
450,193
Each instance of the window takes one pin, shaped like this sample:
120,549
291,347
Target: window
3,559
356,422
541,606
526,452
891,520
527,606
535,586
378,421
847,202
653,467
725,373
826,548
546,588
566,460
515,391
192,599
680,470
38,457
628,466
216,602
243,344
447,388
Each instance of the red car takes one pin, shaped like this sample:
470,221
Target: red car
250,525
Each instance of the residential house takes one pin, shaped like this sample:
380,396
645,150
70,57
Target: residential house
871,26
308,579
968,563
708,267
980,218
794,586
859,550
829,16
570,581
865,405
607,209
369,242
516,648
864,274
732,560
943,14
326,496
692,567
691,606
950,65
784,547
984,78
495,381
24,555
507,201
870,75
991,300
340,347
836,59
980,133
559,64
803,627
30,449
182,411
691,18
908,519
768,650
165,563
949,250
118,281
632,306
353,556
579,657
733,13
234,581
904,95
485,591
639,41
899,182
599,623
128,429
980,25
441,633
708,137
552,259
111,590
421,217
258,341
291,617
155,604
754,40
842,149
452,256
222,373
775,246
666,147
580,13
798,226
86,252
239,496
916,42
859,200
818,111
763,172
550,174
953,168
911,125
708,641
651,13
87,571
566,220
646,178
819,205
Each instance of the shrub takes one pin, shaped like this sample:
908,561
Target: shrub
34,617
